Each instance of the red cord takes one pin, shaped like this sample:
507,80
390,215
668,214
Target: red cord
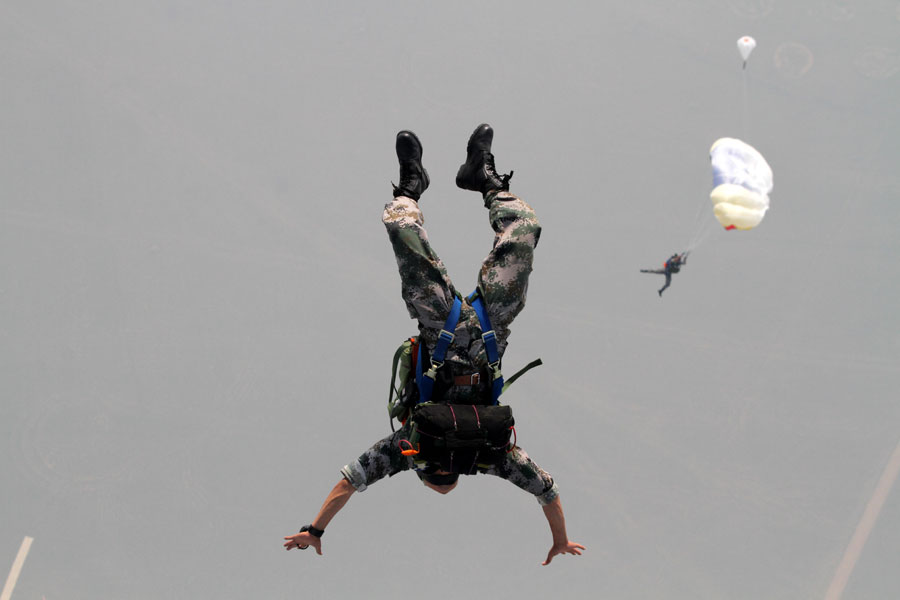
515,439
408,452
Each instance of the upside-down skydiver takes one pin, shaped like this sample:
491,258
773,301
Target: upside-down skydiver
673,265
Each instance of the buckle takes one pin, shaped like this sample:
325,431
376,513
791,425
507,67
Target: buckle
432,372
471,379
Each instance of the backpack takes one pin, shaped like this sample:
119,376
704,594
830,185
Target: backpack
403,393
455,436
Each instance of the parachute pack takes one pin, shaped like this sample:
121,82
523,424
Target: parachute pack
457,437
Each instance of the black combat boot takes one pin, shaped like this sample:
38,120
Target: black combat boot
478,172
413,176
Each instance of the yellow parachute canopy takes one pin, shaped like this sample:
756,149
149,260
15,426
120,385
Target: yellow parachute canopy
742,180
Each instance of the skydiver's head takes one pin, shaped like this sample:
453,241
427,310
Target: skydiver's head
439,480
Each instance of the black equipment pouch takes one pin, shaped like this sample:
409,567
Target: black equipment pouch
461,437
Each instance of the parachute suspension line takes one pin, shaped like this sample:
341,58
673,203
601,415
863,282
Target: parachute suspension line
745,46
745,116
702,231
703,220
700,220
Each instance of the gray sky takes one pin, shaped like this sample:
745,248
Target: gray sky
199,303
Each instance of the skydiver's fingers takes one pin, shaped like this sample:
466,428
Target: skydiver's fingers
301,541
317,544
569,548
553,552
293,541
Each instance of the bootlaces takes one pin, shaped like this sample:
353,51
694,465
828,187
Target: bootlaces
492,170
408,176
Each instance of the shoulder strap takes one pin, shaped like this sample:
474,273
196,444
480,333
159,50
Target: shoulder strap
394,391
490,345
405,367
425,381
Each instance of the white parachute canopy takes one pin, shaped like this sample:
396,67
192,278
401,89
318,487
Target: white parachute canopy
742,181
745,46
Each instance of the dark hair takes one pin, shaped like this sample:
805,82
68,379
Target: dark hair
430,474
447,479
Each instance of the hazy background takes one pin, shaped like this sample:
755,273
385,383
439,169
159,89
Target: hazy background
199,303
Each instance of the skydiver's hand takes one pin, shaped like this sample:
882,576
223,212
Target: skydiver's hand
303,539
567,548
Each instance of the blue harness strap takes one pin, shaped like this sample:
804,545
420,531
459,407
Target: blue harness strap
490,345
425,381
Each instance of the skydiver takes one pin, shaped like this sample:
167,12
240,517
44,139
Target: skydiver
673,265
429,294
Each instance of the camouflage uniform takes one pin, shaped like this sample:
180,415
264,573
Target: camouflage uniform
503,279
429,295
384,459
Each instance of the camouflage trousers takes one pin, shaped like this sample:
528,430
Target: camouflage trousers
502,281
429,295
384,459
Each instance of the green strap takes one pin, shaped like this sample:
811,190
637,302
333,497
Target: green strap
536,362
397,354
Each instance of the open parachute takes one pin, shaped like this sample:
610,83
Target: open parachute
742,180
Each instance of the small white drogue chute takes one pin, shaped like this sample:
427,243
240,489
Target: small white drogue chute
745,46
742,180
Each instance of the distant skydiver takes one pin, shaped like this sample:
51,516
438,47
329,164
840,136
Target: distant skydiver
462,339
673,265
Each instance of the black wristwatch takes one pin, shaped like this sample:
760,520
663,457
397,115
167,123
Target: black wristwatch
312,531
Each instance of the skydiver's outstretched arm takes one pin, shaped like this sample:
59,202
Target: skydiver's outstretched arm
518,468
335,501
382,459
561,544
